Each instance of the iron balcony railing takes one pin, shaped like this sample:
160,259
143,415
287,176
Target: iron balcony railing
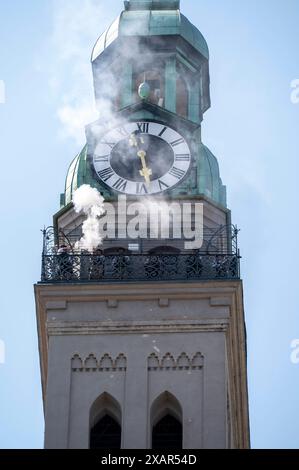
60,266
91,268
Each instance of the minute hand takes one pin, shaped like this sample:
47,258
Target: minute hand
145,172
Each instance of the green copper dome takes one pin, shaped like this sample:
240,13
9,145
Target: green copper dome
146,21
149,18
209,182
79,173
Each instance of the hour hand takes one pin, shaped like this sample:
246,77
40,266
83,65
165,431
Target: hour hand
145,172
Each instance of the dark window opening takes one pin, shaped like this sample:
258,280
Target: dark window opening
106,434
154,79
116,251
167,434
171,250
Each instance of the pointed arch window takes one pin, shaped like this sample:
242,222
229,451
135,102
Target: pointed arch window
166,422
105,423
106,434
167,433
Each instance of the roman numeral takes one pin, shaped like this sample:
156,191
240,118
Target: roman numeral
182,157
176,173
101,159
143,127
162,185
177,142
120,184
106,174
141,188
162,132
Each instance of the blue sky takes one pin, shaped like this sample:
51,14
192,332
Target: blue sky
252,128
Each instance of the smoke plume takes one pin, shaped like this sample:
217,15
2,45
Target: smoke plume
89,201
76,25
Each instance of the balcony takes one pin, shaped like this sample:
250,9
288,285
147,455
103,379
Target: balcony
218,259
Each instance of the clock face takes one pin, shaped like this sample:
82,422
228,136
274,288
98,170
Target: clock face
142,158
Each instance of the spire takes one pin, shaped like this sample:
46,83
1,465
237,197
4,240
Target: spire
152,5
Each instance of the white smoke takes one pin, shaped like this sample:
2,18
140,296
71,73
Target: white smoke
89,201
76,26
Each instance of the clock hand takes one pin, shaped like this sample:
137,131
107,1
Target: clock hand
134,141
145,172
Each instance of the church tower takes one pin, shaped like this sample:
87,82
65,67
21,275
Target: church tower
141,335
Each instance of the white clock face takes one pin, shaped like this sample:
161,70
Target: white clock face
142,158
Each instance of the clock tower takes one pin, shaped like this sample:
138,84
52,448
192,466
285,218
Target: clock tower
141,327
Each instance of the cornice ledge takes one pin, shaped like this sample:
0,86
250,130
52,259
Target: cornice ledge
95,328
87,292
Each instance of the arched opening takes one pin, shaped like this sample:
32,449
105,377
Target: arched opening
156,83
182,103
106,434
105,423
167,434
166,422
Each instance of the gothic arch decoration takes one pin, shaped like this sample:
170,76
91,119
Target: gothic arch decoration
105,422
120,362
77,363
105,363
91,363
197,361
168,362
183,361
153,362
166,422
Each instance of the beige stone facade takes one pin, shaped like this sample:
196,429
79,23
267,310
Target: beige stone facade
139,344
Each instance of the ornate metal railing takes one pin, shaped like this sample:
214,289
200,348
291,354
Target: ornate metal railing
69,265
220,239
91,268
